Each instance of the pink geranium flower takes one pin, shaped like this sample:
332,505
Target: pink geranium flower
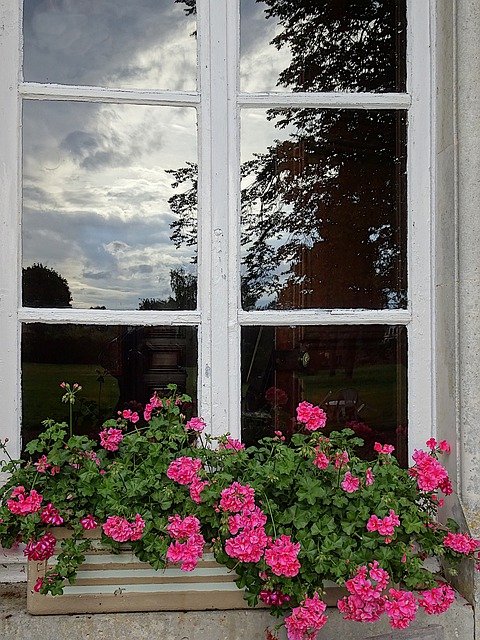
350,484
89,522
110,439
21,503
41,550
121,530
195,424
281,557
313,417
307,619
50,515
184,470
237,498
385,449
461,542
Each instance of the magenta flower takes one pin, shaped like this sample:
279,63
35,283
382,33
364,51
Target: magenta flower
41,550
437,600
232,443
401,607
321,460
369,477
182,528
313,417
385,449
121,530
50,515
89,522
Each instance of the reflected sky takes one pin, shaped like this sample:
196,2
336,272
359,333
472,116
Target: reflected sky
142,44
96,192
323,208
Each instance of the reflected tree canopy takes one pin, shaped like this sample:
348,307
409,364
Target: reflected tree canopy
323,218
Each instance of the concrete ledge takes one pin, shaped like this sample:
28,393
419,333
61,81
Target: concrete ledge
17,624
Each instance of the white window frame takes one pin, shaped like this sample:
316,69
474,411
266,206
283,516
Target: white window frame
219,315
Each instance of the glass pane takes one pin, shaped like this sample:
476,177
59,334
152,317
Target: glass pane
118,367
323,209
356,373
323,45
98,222
147,44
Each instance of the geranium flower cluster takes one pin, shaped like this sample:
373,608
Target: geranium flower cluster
129,415
276,598
89,522
109,439
461,542
367,602
385,526
51,515
250,542
232,443
384,449
188,543
184,470
429,472
313,417
121,530
22,503
307,619
195,424
41,550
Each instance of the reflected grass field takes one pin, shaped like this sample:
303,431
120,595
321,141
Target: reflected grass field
41,392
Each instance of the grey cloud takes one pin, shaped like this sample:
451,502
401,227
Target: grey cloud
97,42
99,275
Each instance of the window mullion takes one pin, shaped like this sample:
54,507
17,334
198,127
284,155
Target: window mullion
10,110
218,359
420,381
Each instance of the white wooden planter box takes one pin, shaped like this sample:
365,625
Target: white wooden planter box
108,582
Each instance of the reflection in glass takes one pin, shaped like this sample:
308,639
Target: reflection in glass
323,209
356,373
118,367
323,45
96,189
147,44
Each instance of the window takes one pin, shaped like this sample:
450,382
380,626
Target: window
205,207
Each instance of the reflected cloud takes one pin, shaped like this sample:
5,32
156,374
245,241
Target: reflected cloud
143,44
96,189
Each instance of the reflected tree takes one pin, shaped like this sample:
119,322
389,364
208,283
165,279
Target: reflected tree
44,287
323,207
